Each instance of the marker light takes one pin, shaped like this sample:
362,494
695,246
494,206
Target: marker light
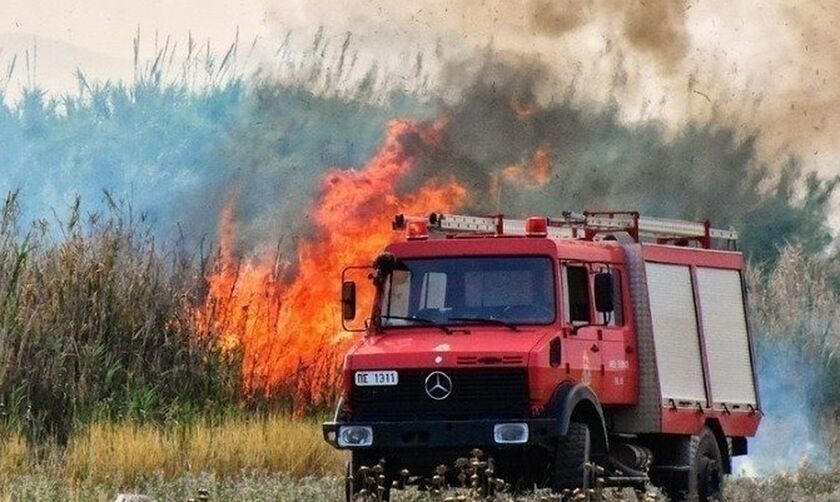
510,433
536,226
355,435
417,230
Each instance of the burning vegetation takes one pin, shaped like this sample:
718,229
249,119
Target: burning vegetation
287,331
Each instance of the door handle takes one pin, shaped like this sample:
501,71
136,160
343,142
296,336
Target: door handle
595,348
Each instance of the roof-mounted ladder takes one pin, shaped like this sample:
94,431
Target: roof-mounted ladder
587,225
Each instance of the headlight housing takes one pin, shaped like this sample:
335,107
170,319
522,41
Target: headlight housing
515,433
355,436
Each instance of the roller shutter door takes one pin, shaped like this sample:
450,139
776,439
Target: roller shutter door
675,334
725,333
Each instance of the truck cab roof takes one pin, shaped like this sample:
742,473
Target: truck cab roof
598,251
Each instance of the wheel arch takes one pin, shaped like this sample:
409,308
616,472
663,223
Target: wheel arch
576,402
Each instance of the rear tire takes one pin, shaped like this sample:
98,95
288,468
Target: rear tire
570,459
706,472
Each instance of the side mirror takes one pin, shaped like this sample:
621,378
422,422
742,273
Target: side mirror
348,300
604,292
384,264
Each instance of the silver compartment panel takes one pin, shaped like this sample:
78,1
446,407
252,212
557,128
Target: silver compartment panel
725,330
675,333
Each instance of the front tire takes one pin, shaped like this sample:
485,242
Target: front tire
571,458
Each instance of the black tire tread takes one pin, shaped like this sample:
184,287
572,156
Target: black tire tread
679,492
572,455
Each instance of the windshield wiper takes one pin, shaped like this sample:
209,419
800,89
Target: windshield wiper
487,320
421,320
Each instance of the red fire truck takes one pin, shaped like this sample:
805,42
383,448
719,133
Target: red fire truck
554,345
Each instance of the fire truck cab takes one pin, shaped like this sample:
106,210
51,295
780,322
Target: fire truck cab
594,349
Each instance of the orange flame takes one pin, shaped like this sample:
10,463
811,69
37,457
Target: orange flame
288,334
537,172
534,174
522,109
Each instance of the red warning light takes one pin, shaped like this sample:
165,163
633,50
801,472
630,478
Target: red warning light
536,226
417,230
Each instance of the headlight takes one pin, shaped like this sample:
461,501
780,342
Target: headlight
355,435
510,433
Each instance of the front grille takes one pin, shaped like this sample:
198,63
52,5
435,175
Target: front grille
476,394
473,360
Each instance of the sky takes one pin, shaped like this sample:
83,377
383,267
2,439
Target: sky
108,26
770,66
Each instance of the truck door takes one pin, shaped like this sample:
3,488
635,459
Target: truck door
615,335
582,345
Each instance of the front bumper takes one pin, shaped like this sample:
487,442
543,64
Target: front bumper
442,434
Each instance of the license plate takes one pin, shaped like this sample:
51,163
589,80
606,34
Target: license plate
369,378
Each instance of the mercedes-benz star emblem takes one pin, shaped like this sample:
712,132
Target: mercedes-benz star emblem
438,385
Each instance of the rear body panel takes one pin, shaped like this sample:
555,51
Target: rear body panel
725,390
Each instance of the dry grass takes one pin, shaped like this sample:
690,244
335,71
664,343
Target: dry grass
273,458
125,454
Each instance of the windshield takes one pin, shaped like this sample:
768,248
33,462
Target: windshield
477,290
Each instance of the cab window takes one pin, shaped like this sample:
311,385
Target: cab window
433,291
450,290
577,294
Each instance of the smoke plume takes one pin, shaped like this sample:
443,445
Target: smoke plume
797,334
768,69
